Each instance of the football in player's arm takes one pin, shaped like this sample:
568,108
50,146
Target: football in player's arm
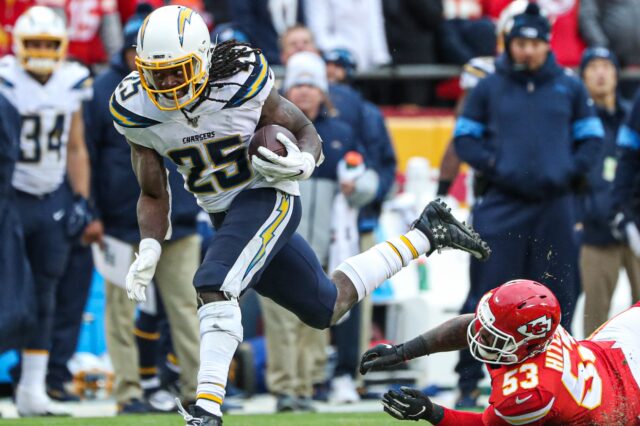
154,202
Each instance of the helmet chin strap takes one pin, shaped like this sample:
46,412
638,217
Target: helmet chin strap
489,356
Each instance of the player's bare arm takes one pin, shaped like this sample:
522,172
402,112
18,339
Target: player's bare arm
153,218
78,157
278,110
448,336
153,204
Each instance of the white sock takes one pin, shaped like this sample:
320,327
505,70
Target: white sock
151,383
370,269
34,368
220,334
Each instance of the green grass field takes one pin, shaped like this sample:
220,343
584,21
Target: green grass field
339,419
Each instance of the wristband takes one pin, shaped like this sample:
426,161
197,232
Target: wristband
152,245
414,348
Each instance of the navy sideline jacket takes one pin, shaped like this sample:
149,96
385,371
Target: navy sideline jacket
533,134
626,192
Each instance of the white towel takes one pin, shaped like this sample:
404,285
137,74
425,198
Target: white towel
345,241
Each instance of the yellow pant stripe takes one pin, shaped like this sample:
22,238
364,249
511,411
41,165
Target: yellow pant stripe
148,370
406,241
35,352
209,397
146,335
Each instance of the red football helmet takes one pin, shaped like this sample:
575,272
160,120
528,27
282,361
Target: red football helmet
513,322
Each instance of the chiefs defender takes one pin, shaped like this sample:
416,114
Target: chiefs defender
540,374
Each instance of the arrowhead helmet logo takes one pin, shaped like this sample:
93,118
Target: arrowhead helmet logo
537,328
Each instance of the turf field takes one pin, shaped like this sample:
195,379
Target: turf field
318,419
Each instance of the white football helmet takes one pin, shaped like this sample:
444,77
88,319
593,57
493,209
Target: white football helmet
175,41
40,40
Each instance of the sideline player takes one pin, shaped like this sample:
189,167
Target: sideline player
539,373
199,107
47,92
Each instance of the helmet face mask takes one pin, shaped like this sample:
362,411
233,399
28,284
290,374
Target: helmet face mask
173,56
513,322
186,73
40,40
487,343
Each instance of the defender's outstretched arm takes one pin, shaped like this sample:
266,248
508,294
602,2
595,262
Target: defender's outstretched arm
448,336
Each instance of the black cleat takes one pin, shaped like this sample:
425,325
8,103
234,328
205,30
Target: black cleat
443,230
198,416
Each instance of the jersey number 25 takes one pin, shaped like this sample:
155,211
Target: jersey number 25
218,166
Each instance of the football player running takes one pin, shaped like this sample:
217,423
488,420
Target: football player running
199,107
47,92
539,373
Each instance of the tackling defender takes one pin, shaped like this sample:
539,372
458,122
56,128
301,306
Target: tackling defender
199,107
539,373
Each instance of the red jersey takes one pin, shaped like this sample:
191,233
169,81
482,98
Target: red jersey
588,382
565,35
84,20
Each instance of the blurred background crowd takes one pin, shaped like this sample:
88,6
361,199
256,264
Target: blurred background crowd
383,82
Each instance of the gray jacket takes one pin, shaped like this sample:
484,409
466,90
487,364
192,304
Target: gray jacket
317,196
612,24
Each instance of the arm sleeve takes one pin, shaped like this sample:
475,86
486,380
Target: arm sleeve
628,142
456,418
589,22
587,132
469,135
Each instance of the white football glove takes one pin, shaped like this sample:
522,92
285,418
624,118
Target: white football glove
142,270
633,237
296,165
